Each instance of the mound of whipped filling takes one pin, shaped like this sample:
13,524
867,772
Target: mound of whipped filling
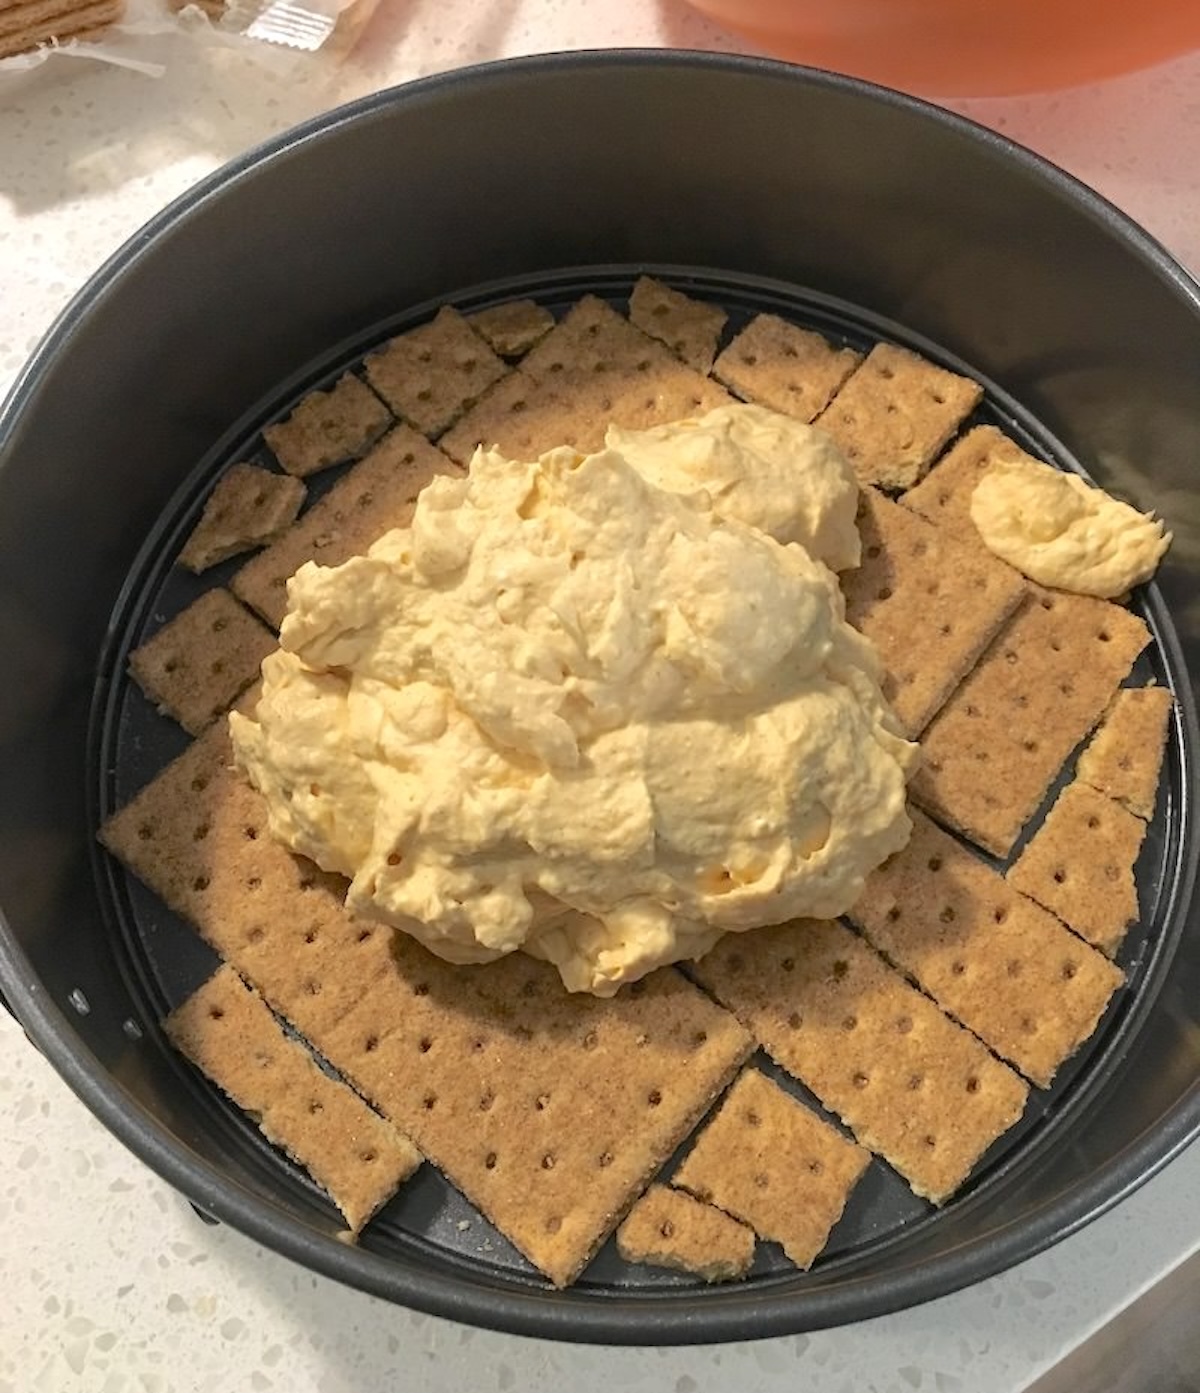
602,708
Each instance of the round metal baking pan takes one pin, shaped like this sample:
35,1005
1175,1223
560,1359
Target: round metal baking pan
167,389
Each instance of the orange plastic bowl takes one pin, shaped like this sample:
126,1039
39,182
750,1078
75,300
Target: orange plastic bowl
967,48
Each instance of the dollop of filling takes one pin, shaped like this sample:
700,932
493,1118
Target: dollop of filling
1062,532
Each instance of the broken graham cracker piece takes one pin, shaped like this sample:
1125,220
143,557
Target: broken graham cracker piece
550,1112
593,370
929,603
895,412
993,750
944,494
198,663
430,375
995,961
690,328
670,1228
248,508
784,367
768,1160
328,428
1079,865
512,329
374,496
914,1087
1124,757
357,1157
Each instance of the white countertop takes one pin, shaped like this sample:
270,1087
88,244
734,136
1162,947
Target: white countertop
111,1282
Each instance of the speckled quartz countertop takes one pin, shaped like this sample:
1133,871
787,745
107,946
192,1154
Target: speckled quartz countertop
112,1284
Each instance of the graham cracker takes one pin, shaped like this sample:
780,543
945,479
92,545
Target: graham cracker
691,329
328,428
929,603
670,1228
84,24
25,26
248,508
1124,757
993,750
593,370
944,495
913,1086
21,15
523,420
513,328
593,341
995,961
617,374
228,1032
430,375
197,664
197,835
894,414
549,1112
789,369
1079,865
374,496
769,1161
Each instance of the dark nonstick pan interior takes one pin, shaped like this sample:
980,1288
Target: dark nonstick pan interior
755,185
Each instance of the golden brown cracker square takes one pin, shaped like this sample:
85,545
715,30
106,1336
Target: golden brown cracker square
894,413
929,603
944,494
784,367
371,498
430,375
612,373
523,419
912,1086
549,1112
1079,865
197,835
993,750
512,329
770,1162
691,329
197,664
1124,757
590,342
248,507
670,1228
994,960
228,1032
328,428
